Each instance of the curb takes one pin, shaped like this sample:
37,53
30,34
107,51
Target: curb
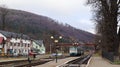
64,63
88,62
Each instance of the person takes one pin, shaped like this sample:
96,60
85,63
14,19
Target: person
29,60
34,56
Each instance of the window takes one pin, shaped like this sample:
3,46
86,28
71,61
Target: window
25,45
18,44
28,45
19,51
14,44
11,43
15,50
22,44
25,50
36,46
0,51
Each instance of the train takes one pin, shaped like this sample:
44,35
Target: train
76,51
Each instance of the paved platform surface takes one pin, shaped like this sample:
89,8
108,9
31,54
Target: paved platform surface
54,64
11,59
100,62
5,59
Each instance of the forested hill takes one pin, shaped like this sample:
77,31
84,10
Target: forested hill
39,27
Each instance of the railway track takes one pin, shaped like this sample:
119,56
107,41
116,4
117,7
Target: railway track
77,62
22,63
25,63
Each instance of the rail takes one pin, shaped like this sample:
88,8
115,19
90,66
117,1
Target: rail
77,62
22,63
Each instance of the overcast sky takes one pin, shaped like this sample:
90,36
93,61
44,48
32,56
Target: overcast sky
73,12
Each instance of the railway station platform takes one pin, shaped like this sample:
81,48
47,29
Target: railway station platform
6,59
100,62
59,63
11,59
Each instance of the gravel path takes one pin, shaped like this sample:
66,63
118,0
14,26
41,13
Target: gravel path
100,62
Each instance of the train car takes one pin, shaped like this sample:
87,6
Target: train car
75,51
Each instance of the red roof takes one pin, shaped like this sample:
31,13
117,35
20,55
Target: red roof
1,40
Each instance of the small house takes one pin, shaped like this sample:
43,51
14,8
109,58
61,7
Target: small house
38,46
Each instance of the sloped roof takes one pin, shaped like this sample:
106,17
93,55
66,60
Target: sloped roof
1,35
14,35
39,42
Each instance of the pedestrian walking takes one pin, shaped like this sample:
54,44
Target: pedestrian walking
34,56
29,60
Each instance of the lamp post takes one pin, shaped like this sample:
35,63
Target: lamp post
56,40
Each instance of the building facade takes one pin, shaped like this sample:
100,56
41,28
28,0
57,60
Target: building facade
1,45
38,46
2,42
16,44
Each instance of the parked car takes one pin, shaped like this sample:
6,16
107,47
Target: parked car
58,54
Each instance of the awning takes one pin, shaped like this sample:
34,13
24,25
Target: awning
1,40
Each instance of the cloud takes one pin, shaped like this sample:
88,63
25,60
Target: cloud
58,6
61,5
85,24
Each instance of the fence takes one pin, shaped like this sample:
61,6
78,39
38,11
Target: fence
108,55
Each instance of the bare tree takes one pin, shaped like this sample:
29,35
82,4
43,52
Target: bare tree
3,14
106,15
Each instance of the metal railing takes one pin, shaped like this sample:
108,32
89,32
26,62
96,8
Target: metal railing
108,55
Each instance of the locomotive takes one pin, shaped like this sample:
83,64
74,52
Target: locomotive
76,51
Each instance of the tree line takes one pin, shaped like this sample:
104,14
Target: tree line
106,15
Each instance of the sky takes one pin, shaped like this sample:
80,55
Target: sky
73,12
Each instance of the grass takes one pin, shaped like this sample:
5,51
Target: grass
96,55
116,62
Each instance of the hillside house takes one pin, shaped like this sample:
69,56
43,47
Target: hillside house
2,41
16,44
1,45
38,47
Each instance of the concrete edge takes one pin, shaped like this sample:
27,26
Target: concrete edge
88,62
64,63
9,60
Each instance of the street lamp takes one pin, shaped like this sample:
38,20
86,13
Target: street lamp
52,37
60,37
56,40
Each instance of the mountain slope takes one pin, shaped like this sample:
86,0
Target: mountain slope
36,26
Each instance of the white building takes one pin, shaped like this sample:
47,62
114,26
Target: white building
16,44
38,46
